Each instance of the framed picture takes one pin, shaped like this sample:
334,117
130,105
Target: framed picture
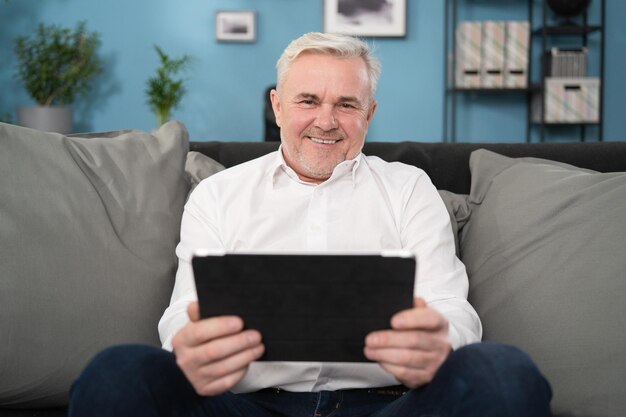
235,26
365,17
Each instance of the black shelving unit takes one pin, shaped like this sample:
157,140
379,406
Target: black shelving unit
577,30
541,31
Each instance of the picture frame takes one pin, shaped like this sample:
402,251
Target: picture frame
375,18
235,25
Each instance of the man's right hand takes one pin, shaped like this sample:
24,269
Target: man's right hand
214,354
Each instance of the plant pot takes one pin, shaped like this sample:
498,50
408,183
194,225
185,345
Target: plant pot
48,119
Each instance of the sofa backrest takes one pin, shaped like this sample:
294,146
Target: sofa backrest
446,164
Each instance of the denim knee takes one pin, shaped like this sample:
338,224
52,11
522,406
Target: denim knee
505,373
122,374
124,363
503,360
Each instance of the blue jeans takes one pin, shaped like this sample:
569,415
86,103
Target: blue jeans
483,379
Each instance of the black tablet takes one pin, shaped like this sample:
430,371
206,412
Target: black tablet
307,307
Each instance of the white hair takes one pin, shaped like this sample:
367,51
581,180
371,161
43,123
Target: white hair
330,44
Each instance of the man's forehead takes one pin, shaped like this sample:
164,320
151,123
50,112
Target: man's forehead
305,77
320,55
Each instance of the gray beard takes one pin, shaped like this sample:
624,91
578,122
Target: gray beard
315,172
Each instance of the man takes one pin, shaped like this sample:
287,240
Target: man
319,193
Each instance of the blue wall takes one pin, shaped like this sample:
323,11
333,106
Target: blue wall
226,81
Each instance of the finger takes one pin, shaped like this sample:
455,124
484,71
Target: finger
203,363
232,364
408,367
419,318
222,348
418,359
193,311
409,377
221,385
221,359
419,302
202,331
414,339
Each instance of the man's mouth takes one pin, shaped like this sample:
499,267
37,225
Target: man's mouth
323,141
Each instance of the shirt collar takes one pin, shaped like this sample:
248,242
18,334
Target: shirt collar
279,167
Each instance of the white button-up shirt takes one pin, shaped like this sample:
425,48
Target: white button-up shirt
366,205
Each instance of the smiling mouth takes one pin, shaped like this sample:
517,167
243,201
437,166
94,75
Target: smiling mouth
323,141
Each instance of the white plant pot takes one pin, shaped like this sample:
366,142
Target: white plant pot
48,119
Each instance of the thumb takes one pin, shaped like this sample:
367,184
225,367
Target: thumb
193,311
419,302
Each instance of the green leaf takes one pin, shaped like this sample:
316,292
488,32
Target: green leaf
164,92
56,64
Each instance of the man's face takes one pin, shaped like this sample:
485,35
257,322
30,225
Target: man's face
323,110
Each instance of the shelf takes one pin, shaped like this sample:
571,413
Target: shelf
565,123
489,90
545,33
568,30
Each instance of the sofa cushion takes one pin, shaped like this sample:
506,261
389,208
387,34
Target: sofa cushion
89,229
459,212
199,166
544,250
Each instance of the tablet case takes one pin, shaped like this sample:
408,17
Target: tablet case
307,307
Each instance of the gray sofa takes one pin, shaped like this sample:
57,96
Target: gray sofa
89,224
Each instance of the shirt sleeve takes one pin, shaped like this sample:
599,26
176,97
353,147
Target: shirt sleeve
198,230
441,278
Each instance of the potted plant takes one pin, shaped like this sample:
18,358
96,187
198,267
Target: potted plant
164,92
56,65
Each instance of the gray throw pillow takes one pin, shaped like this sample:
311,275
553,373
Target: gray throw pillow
87,255
544,250
459,212
199,166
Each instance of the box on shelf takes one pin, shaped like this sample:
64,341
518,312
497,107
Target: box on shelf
492,68
492,54
468,54
568,100
566,62
516,54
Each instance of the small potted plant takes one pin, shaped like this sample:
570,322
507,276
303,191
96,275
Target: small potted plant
164,92
56,65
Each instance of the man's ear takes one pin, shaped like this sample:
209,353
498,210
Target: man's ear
371,111
275,105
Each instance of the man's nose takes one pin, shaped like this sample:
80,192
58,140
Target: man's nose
326,119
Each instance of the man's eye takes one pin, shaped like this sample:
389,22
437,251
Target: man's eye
346,106
307,102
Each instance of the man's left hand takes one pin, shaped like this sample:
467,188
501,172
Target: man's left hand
414,348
